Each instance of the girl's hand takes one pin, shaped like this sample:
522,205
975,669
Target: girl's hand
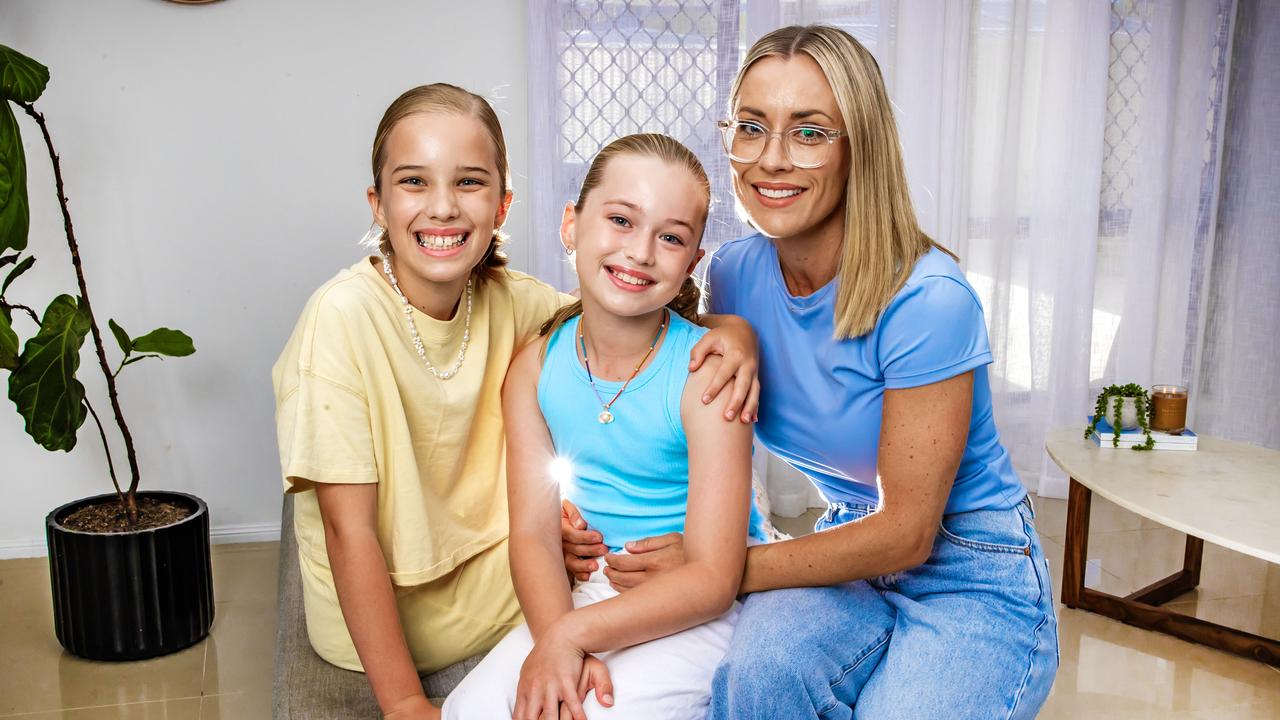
595,676
581,544
550,676
648,557
733,340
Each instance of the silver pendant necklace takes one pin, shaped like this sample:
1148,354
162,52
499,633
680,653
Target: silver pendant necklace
413,327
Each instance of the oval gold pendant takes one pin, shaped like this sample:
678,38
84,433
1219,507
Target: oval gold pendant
606,417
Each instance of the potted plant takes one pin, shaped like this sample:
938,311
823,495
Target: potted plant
130,570
1129,408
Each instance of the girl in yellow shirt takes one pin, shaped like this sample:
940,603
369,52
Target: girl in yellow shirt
389,415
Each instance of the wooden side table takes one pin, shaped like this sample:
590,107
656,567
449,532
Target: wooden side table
1227,493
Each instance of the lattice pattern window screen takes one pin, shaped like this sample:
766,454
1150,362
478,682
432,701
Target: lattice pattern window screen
646,66
1130,43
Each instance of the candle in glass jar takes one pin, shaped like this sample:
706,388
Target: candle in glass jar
1169,408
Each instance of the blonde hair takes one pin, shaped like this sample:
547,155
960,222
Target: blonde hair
687,302
445,98
882,239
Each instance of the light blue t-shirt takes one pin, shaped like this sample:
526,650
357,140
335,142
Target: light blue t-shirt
820,402
630,478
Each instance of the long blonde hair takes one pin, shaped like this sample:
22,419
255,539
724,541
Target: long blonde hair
686,303
445,98
882,239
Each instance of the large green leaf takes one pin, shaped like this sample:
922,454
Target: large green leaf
8,345
166,342
14,217
22,267
44,386
21,78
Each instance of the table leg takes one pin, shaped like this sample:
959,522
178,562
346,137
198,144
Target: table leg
1141,609
1183,581
1077,543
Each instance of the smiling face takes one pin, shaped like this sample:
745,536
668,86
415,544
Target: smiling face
636,235
781,200
440,197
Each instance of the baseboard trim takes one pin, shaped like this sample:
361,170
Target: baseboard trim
247,533
225,535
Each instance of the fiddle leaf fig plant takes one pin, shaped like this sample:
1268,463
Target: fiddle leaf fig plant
42,370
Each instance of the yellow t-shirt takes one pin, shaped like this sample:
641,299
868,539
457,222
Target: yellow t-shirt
355,404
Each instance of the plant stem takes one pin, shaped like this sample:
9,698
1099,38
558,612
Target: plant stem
111,466
131,497
31,313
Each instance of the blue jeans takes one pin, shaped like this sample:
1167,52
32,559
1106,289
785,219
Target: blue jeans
971,633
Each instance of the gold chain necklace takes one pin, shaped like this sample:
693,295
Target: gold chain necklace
605,417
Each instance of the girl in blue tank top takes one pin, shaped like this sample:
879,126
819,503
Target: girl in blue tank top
605,412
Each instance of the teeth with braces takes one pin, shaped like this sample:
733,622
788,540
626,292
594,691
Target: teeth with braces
630,279
778,194
439,242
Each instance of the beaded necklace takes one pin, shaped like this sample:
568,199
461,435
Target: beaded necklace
413,327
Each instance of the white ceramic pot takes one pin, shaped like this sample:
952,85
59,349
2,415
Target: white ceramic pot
1128,413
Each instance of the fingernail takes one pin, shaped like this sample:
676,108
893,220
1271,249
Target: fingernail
729,415
706,399
608,699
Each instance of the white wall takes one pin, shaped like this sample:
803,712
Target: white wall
216,159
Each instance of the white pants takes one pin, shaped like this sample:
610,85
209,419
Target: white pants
664,679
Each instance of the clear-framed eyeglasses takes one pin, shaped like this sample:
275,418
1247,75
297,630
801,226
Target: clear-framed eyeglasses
806,146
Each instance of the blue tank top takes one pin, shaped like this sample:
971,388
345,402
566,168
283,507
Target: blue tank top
630,478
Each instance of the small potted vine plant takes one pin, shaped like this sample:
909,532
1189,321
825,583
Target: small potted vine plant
1129,408
130,571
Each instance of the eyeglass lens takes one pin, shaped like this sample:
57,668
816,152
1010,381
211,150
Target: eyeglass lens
804,146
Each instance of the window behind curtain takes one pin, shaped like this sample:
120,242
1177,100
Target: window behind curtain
602,70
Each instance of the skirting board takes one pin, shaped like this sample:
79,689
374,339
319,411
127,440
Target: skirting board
225,535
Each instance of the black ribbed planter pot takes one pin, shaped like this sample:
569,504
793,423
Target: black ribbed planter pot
131,595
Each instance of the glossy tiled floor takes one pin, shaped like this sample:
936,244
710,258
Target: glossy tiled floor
1109,670
226,676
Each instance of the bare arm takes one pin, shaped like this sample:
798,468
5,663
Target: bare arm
923,432
533,498
363,584
705,586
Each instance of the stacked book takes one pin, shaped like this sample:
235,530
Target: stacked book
1185,441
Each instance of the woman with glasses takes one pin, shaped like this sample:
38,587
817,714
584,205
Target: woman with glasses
925,593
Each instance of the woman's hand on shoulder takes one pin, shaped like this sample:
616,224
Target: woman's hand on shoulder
731,338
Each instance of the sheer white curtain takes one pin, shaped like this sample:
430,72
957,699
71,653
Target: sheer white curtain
1237,374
